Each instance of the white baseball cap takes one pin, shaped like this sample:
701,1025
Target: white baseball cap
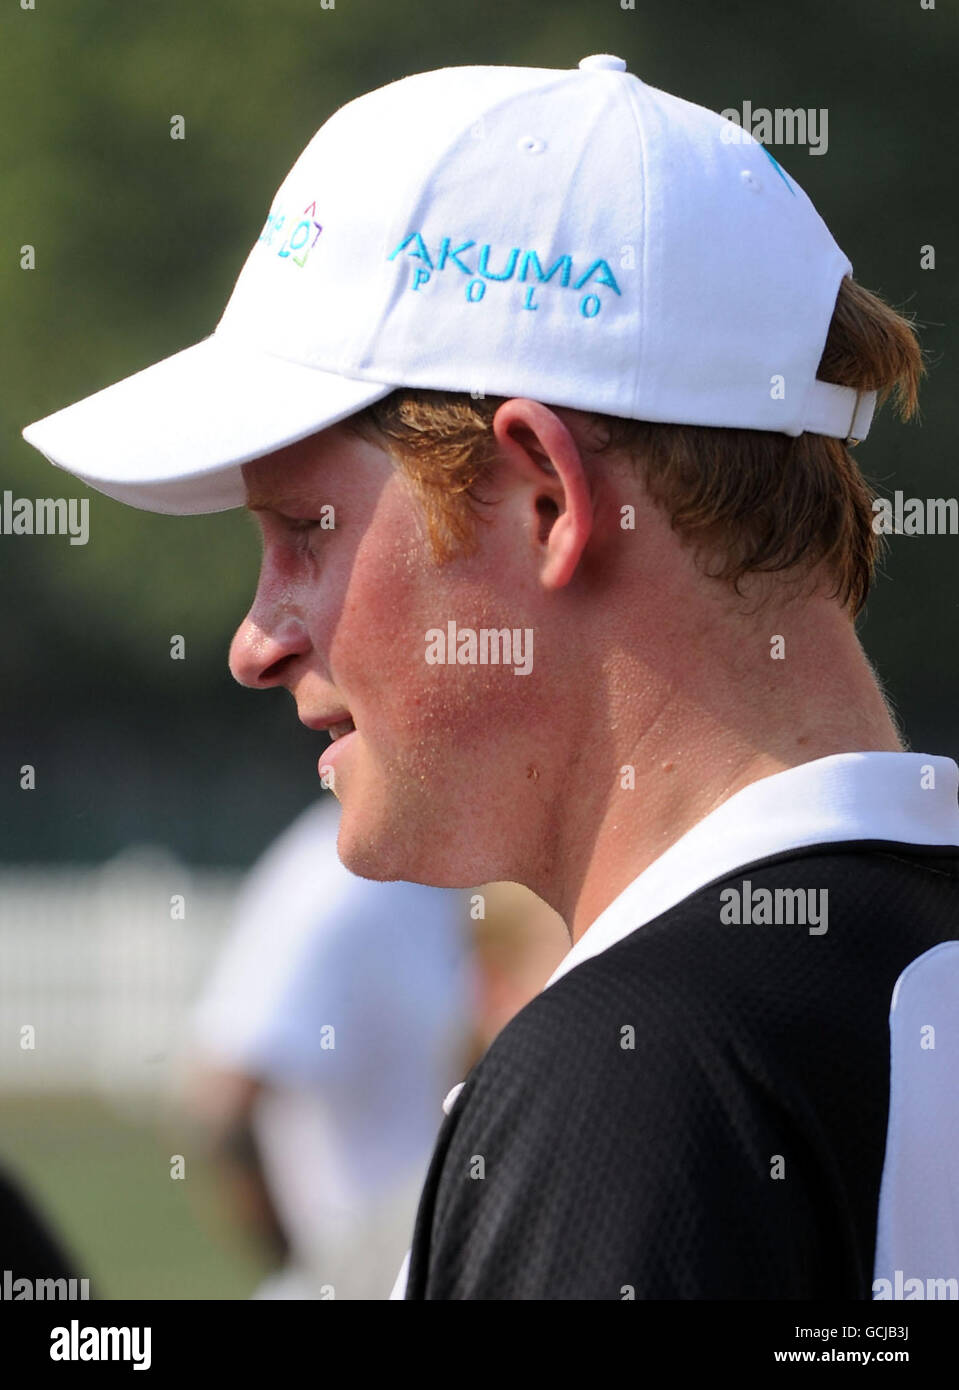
573,236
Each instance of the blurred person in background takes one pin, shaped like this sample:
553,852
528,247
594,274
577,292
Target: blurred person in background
337,1018
324,1138
518,943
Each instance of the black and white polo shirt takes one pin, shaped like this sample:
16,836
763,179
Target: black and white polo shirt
742,1081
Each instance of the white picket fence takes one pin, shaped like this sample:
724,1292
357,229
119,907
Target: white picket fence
101,967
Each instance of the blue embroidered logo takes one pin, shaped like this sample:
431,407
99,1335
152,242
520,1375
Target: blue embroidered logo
525,267
294,244
779,169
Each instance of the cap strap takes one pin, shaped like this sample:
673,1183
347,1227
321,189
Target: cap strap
839,411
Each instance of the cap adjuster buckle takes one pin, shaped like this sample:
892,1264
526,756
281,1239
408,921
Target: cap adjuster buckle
851,441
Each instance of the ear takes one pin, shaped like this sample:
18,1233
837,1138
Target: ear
542,453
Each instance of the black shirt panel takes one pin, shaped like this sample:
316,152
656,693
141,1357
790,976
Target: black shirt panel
700,1110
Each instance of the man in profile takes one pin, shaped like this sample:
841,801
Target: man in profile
571,381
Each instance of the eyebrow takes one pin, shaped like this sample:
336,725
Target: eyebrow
267,503
267,498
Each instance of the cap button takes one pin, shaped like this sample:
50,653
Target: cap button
603,62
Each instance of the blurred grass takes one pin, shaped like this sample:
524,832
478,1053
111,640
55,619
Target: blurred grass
102,1181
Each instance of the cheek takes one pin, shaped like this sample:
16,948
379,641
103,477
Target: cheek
410,709
377,649
372,626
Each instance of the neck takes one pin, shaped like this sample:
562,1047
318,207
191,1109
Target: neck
697,741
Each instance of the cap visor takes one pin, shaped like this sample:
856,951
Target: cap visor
173,438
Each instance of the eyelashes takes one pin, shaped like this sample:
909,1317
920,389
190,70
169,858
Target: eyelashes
300,525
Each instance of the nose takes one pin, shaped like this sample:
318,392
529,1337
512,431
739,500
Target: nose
263,654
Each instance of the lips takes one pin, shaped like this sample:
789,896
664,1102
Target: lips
336,723
340,735
341,729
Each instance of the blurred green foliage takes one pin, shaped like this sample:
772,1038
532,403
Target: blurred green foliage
139,239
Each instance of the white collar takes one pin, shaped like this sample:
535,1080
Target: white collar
909,798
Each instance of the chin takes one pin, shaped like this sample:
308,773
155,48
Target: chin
369,846
389,849
362,855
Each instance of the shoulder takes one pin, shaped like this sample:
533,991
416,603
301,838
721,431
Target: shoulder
623,1074
639,1029
697,1111
608,1141
614,1137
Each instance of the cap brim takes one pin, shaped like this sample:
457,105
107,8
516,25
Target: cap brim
173,438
